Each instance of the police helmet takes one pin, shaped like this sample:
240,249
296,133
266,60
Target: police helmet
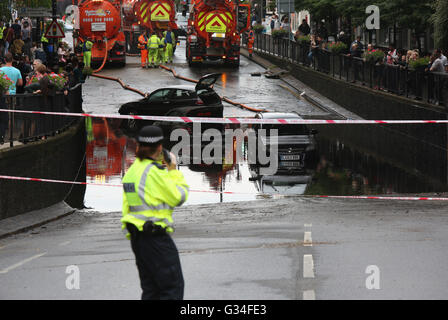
150,135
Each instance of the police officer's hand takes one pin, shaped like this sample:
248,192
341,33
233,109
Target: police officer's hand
173,164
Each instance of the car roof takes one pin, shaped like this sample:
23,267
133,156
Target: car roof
191,88
278,115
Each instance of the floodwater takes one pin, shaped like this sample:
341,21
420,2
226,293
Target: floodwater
338,168
349,160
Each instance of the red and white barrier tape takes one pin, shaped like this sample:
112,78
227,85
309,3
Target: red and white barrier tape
241,193
228,120
99,184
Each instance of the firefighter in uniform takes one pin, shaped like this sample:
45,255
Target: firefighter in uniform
161,52
87,52
152,188
170,40
142,42
250,42
153,49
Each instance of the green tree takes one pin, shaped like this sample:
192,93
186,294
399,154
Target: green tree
412,14
32,3
440,21
5,12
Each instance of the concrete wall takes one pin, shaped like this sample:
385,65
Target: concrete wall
60,157
418,149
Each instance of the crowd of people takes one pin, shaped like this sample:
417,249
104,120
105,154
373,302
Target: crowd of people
21,58
31,66
156,48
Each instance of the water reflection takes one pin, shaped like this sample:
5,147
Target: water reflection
336,168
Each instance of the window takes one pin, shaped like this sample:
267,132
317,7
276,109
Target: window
160,95
180,94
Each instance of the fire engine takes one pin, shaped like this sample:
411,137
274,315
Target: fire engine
153,15
215,28
100,22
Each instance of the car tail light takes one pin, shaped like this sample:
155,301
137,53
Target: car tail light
199,102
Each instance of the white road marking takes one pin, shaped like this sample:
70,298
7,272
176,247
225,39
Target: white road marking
64,243
21,263
308,225
307,240
308,266
309,295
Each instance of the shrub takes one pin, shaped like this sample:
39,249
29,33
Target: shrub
280,33
337,47
87,71
57,80
374,56
419,63
5,83
258,28
303,40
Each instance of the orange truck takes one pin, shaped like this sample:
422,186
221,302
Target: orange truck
100,23
152,15
215,28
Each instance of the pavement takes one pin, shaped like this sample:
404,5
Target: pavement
33,219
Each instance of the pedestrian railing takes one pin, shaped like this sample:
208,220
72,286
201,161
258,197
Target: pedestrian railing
32,127
430,87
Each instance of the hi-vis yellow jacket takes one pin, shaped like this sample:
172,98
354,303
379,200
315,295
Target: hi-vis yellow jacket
153,42
150,194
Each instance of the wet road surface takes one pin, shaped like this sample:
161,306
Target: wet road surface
287,248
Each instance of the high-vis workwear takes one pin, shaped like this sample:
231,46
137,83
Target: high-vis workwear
170,41
87,52
150,194
153,49
142,43
2,29
161,54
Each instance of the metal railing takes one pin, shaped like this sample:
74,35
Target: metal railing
430,87
32,127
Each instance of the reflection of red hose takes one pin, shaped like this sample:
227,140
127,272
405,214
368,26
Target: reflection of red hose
222,98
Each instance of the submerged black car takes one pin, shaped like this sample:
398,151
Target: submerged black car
164,100
295,142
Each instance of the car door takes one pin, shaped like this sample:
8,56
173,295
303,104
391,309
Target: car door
158,102
204,89
184,98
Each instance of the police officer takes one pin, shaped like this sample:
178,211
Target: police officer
152,188
153,50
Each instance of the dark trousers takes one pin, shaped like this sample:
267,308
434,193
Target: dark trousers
158,265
